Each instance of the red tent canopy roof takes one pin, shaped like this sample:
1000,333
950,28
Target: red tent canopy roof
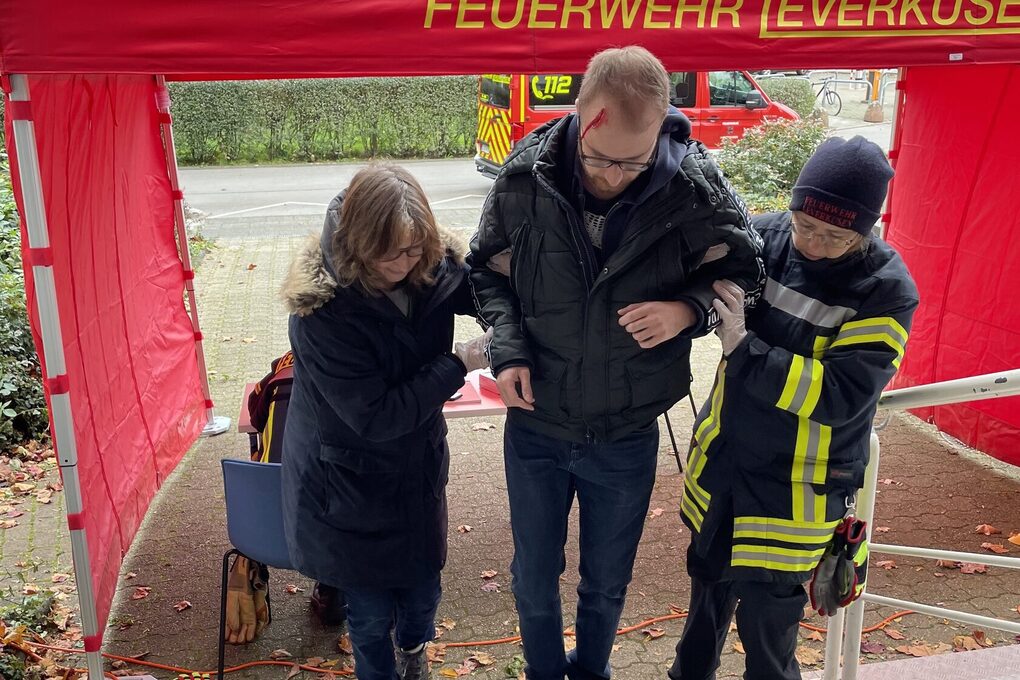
283,38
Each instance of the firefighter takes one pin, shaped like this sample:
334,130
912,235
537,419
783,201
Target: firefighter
779,449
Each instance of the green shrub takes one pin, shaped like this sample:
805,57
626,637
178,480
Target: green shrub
794,92
319,119
763,165
22,405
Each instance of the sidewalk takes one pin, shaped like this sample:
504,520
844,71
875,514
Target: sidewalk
931,495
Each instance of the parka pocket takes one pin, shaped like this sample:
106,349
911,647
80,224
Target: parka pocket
365,490
527,245
547,385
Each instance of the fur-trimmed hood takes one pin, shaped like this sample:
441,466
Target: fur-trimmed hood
311,281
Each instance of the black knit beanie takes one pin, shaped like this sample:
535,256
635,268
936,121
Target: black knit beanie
844,184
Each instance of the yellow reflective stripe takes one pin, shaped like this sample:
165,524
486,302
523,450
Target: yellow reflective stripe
806,534
792,380
523,90
695,491
884,329
691,511
822,343
267,435
814,389
810,466
790,524
708,430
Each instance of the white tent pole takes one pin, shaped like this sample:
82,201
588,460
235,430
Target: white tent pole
40,258
216,424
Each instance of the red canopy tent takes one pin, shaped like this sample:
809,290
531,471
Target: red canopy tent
88,128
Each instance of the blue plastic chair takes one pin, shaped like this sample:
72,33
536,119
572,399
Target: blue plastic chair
254,524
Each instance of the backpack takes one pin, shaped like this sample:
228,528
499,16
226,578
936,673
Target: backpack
267,407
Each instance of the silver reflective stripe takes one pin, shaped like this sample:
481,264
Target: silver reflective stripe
804,532
806,308
798,560
810,461
697,493
803,385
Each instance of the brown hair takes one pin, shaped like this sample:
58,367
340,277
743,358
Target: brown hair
633,79
383,204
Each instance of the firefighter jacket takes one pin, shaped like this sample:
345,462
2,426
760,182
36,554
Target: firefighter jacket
782,442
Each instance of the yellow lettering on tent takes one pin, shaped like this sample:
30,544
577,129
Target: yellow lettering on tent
685,7
539,6
627,14
650,9
886,8
1003,17
430,10
942,21
785,6
846,6
733,11
912,6
498,22
821,16
984,18
584,10
463,7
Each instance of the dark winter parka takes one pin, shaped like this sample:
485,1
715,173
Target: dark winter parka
365,460
558,314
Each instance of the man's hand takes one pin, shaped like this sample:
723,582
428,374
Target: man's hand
507,382
653,323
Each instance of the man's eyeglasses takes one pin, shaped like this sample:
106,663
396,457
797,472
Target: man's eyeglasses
600,162
830,243
410,251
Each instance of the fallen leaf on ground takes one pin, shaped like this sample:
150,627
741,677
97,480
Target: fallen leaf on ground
815,635
130,575
250,339
280,655
738,647
997,548
653,633
8,523
986,529
141,592
482,659
31,589
59,578
448,673
435,653
982,639
947,564
448,623
972,568
315,661
344,644
882,530
482,427
657,511
965,643
464,528
465,667
22,487
894,634
44,496
886,564
252,266
870,647
182,605
490,587
295,670
293,589
887,482
914,650
808,656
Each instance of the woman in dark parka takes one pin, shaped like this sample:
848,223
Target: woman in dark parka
365,456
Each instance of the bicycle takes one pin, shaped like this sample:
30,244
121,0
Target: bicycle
829,99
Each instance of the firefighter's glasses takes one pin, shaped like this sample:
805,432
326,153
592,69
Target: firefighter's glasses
830,243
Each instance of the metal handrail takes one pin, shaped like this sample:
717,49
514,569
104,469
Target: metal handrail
846,626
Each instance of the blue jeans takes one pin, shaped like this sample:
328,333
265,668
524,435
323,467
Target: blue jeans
613,484
372,613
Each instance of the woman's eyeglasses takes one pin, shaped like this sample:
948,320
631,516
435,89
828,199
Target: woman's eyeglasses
831,243
410,251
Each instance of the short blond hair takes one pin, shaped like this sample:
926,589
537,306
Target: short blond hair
632,78
384,203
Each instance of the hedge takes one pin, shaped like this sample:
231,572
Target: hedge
324,120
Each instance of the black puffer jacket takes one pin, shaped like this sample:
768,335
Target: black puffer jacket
557,313
365,461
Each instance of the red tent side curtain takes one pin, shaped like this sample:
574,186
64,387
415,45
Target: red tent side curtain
955,221
267,38
130,349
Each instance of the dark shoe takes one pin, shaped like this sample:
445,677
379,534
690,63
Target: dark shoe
329,605
413,665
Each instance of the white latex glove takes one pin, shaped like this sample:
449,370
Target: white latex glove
730,306
472,353
500,263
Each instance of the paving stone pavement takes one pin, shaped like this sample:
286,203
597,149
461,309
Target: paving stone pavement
933,493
